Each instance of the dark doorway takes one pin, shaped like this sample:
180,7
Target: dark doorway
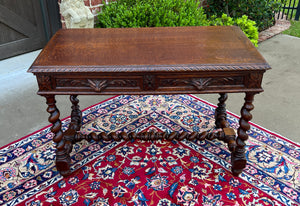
26,25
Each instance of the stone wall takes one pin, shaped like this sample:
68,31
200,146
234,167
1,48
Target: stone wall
93,5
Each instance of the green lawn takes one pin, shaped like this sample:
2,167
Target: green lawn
294,30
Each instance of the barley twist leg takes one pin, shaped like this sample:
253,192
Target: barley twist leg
75,124
76,114
238,158
220,113
63,159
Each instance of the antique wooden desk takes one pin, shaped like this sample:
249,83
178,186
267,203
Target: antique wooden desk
177,60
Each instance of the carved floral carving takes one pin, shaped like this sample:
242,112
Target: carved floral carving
96,84
200,83
44,82
149,82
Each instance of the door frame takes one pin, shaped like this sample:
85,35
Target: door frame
47,22
51,17
35,37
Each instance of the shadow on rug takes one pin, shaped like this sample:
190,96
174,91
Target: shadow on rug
144,173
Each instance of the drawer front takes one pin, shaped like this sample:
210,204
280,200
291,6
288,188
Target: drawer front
200,84
149,83
97,84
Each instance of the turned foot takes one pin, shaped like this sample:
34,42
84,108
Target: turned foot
63,164
237,166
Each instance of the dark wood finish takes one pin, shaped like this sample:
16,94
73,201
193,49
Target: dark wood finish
151,61
75,124
238,158
76,114
220,113
63,159
226,134
140,49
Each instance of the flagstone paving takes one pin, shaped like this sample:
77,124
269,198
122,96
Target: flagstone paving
280,25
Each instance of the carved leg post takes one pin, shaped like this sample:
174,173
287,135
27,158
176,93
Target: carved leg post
221,122
238,158
63,159
75,124
76,115
220,113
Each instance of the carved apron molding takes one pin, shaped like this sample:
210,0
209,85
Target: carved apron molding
44,82
97,85
199,83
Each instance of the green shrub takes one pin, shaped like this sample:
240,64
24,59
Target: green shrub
163,13
247,25
249,28
260,11
154,13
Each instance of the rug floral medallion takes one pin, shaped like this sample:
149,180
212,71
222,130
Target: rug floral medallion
144,173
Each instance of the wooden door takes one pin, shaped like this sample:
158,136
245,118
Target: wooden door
21,27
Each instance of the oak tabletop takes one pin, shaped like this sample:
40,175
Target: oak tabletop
210,48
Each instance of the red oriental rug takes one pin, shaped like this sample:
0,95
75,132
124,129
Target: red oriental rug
144,173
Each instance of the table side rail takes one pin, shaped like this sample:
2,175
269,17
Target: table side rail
150,83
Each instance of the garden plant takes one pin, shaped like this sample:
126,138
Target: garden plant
260,11
163,13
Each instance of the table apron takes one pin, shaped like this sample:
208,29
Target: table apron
148,83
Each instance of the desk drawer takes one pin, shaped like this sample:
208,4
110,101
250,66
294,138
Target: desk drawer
97,84
159,83
198,84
